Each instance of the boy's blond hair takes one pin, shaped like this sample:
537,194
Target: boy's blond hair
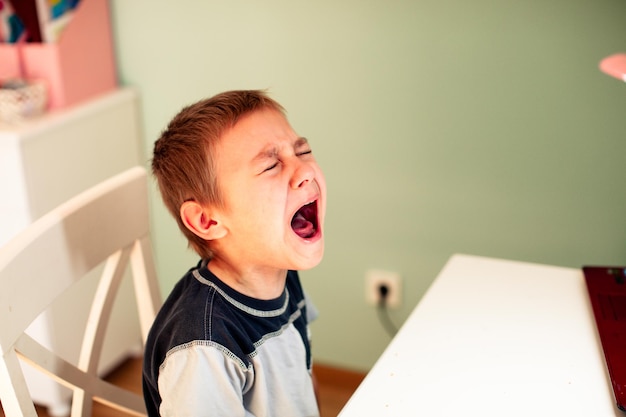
183,155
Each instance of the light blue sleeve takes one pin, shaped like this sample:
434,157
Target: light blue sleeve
202,379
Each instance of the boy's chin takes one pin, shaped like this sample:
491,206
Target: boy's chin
304,267
309,260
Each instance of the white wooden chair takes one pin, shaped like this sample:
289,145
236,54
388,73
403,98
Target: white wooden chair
107,223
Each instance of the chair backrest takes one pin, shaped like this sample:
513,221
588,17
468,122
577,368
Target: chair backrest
106,224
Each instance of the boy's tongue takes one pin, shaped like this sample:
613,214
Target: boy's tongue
302,226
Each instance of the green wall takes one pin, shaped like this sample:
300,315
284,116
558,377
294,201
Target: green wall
442,126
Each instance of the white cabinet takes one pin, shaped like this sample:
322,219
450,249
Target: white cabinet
45,161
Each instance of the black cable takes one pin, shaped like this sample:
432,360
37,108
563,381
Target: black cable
383,312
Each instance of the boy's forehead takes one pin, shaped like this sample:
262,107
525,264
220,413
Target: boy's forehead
261,128
271,150
259,134
258,115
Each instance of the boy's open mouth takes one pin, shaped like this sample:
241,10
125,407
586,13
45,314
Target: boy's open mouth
304,222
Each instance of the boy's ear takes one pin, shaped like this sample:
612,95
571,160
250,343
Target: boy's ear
198,219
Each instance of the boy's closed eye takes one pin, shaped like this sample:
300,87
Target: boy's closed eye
276,162
271,167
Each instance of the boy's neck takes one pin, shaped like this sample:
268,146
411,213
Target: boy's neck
259,283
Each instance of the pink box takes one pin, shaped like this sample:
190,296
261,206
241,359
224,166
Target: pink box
80,65
9,61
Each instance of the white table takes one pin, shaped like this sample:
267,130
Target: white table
493,338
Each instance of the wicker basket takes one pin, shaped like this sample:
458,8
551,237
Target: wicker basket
22,102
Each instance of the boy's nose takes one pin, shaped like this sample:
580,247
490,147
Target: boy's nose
302,175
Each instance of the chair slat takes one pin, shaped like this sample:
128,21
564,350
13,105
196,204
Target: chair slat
101,308
146,288
16,401
69,375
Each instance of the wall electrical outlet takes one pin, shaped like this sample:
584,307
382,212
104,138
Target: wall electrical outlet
374,278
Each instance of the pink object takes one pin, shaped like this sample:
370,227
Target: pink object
80,65
9,61
615,66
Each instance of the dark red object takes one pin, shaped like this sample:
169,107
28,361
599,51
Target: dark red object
607,292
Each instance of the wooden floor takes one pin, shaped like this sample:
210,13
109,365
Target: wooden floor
335,386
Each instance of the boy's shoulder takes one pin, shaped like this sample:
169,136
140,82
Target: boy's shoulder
200,307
